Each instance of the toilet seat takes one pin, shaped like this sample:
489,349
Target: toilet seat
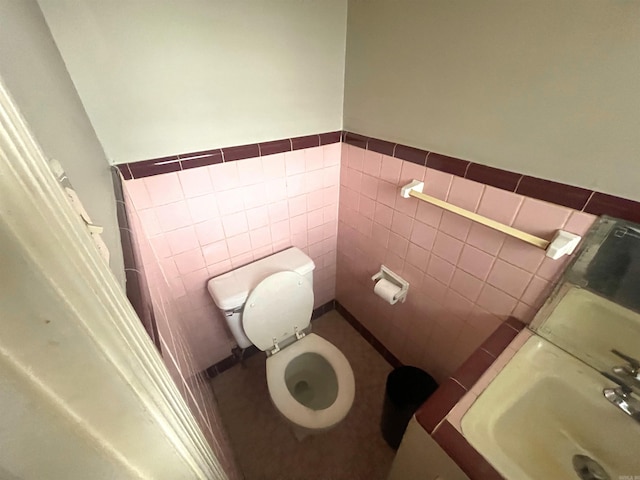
270,317
288,406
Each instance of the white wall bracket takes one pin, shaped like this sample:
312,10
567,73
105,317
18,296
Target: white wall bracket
414,185
563,243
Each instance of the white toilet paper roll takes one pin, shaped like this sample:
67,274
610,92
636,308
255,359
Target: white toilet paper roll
387,290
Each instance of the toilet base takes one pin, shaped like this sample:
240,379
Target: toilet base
301,432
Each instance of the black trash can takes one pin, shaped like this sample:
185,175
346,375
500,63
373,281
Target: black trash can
407,389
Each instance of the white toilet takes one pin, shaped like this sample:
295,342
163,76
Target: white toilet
269,303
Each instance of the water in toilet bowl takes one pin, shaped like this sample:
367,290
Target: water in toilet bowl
312,381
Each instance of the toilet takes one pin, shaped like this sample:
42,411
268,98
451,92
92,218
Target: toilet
269,303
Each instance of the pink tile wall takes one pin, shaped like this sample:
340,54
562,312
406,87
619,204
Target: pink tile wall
173,331
206,221
465,278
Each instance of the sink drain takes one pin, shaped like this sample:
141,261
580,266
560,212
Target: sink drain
588,469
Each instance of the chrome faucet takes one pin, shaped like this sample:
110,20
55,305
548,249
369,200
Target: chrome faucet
629,372
622,397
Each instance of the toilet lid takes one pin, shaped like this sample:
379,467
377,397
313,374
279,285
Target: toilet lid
274,308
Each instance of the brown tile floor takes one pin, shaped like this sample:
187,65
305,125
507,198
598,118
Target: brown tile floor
265,446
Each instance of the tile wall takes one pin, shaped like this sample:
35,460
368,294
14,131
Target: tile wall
204,221
465,278
172,334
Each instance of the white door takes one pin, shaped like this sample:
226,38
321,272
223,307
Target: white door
83,392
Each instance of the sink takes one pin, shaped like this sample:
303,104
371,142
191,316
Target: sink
576,323
545,408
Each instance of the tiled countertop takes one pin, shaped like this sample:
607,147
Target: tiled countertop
440,415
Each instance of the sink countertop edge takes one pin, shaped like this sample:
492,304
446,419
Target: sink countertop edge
440,415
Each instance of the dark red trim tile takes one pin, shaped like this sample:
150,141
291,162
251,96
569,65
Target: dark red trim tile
381,146
277,146
603,204
559,193
368,336
307,141
493,176
128,255
117,185
231,154
410,154
439,404
355,140
467,458
515,323
330,137
121,215
124,170
156,166
499,340
473,368
201,159
452,165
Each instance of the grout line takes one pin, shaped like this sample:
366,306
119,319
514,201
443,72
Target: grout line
465,388
488,353
593,192
512,328
518,184
466,170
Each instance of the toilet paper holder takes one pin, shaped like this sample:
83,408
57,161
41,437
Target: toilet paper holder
394,278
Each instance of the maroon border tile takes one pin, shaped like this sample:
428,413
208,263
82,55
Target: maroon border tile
124,170
439,404
515,323
241,152
410,154
554,192
308,141
355,140
499,339
603,204
473,368
381,146
276,146
201,159
573,197
444,163
330,137
156,166
465,456
368,336
493,176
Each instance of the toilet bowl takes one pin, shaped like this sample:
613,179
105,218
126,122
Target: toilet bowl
311,383
269,303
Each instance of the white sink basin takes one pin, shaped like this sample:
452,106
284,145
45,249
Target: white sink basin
545,407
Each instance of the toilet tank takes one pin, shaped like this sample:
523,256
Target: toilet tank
230,290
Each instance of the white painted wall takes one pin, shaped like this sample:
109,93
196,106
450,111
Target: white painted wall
167,77
546,87
34,72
